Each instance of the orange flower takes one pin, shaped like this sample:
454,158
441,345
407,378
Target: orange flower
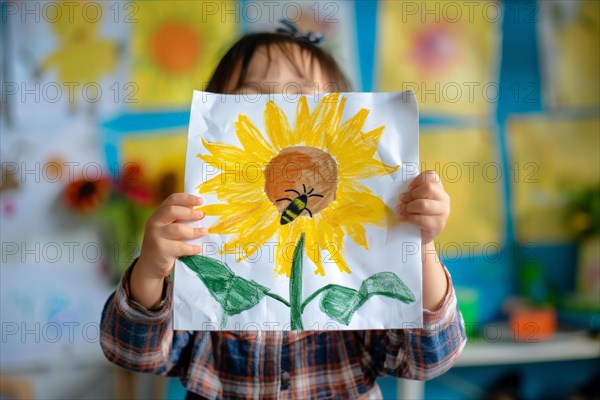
85,196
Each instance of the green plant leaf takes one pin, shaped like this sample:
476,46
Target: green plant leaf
243,295
340,303
386,284
233,293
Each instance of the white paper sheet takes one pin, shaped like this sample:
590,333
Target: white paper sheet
300,196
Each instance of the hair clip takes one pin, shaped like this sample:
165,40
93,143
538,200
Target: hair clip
291,29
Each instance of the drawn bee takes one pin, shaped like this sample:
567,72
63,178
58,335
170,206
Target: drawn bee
297,205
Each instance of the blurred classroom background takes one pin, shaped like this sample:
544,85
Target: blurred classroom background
95,106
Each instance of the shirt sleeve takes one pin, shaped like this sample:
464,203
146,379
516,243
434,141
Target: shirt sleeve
421,353
142,339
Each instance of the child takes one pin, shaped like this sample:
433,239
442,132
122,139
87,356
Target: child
136,323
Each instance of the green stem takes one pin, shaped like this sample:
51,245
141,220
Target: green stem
296,286
315,294
278,298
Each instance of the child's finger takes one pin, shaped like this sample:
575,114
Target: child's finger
171,213
423,206
427,222
196,214
182,232
424,177
428,190
182,199
186,249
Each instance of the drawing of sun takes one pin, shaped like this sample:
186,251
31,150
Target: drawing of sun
175,48
297,181
441,55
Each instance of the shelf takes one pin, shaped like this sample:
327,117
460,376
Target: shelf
563,347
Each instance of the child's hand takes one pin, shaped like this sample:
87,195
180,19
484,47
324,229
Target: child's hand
426,204
165,234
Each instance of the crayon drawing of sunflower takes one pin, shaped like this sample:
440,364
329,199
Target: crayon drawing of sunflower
297,184
175,47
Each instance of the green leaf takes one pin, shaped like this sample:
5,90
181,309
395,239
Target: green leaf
233,293
340,303
386,284
243,295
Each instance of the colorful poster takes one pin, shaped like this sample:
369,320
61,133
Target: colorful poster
176,45
445,51
64,59
466,160
569,32
551,158
300,198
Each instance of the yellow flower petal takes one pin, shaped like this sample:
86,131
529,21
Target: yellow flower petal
233,188
232,218
277,126
349,141
223,153
252,140
373,136
321,121
303,122
358,205
352,147
333,239
357,231
340,261
365,169
253,234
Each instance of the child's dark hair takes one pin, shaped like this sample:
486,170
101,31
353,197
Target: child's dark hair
239,55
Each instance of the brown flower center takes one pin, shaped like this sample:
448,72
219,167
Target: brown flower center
301,180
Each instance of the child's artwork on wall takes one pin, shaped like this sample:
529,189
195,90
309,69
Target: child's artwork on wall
65,60
466,160
446,52
300,197
569,32
82,54
176,45
551,158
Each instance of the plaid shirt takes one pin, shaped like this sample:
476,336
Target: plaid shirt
276,364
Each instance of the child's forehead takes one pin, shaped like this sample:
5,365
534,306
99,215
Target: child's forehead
273,60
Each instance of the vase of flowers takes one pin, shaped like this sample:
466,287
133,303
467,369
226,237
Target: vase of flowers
119,205
584,215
